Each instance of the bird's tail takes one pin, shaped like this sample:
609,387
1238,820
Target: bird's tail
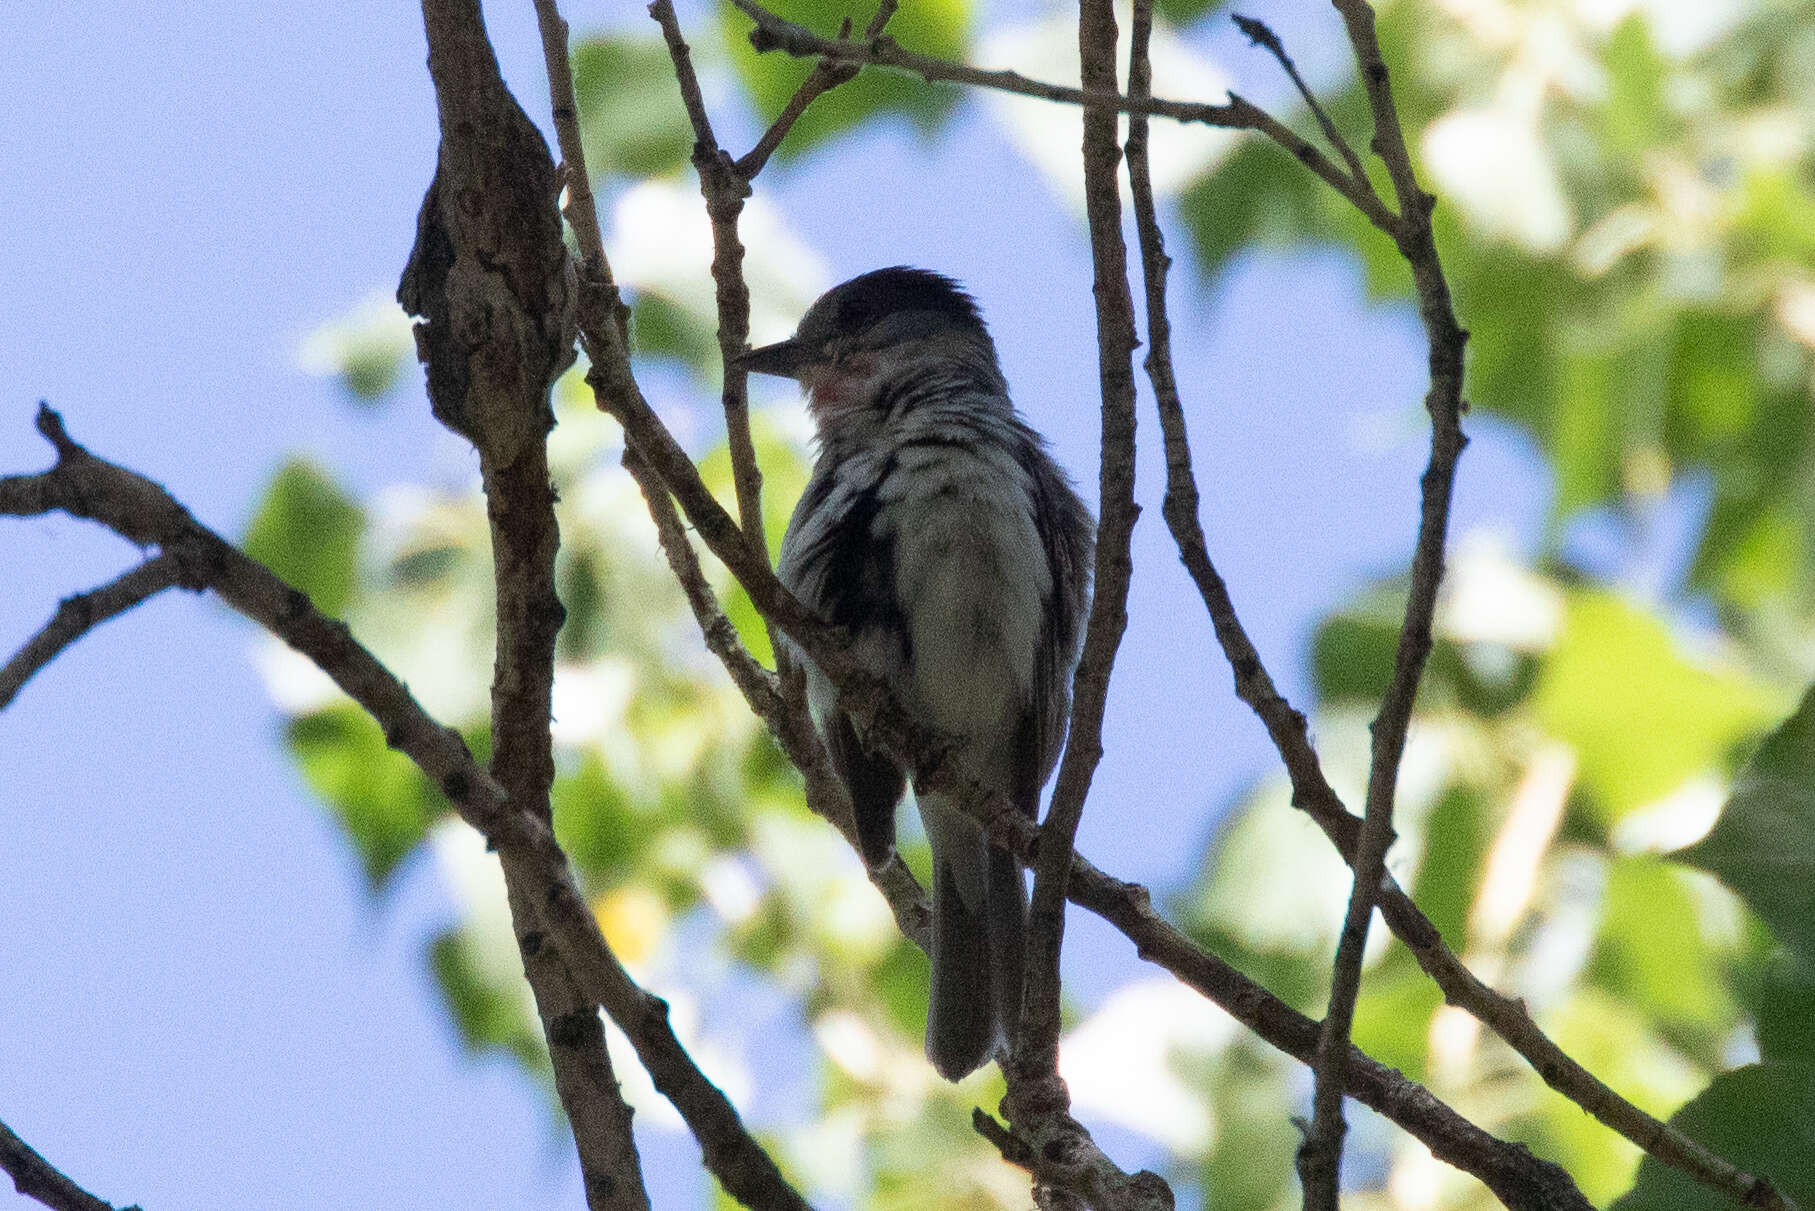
979,917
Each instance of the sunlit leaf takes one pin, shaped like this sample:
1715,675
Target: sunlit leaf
1641,716
594,821
1458,834
1760,1118
1393,1013
1651,949
307,531
1611,1038
1636,111
1763,845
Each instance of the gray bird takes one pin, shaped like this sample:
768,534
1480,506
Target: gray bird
940,533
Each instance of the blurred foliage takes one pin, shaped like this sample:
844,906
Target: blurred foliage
632,120
303,501
1763,845
1627,195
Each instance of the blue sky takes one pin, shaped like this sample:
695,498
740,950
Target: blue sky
203,1007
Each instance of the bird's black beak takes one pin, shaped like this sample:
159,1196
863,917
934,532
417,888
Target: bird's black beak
785,359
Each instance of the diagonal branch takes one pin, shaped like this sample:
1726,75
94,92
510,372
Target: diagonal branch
824,77
37,1178
78,615
140,511
601,315
1259,34
777,33
137,509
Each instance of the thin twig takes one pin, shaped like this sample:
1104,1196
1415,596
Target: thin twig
1512,1173
782,710
824,77
581,212
1037,1100
776,33
1506,1168
1259,34
1520,1180
37,1178
602,323
79,614
725,190
1320,1156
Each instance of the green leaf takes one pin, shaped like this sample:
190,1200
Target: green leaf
1637,113
1782,1002
382,799
632,121
1763,845
596,822
1393,1013
1457,837
1250,1166
1612,1038
1183,12
307,531
1650,949
934,27
1512,303
486,1015
1257,194
1761,1118
661,327
1641,717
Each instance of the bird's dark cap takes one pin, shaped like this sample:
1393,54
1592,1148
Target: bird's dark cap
847,310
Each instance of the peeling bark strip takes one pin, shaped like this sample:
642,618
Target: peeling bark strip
489,275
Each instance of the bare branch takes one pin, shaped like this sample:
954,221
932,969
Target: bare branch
1038,1101
1320,1157
1260,35
139,510
601,322
488,279
725,190
37,1178
822,79
78,615
1520,1180
1506,1168
581,211
776,33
